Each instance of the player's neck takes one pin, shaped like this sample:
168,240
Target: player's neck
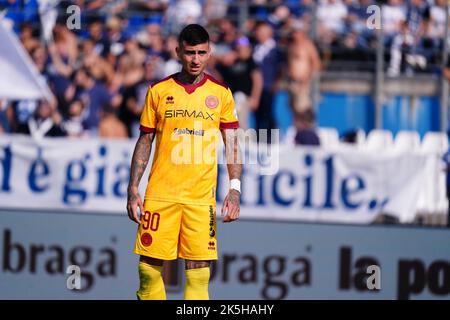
185,77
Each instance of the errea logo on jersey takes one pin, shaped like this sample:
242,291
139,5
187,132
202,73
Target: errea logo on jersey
183,113
169,100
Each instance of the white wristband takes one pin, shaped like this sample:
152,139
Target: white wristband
235,184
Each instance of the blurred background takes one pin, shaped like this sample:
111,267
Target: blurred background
357,173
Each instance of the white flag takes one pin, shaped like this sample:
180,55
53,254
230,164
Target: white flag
19,77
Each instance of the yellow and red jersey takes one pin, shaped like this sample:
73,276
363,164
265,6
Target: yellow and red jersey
186,119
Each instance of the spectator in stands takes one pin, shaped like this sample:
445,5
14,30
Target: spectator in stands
27,37
18,11
5,113
357,18
134,96
22,111
302,10
303,64
171,62
393,16
130,69
146,6
116,6
279,17
95,63
436,25
110,126
331,15
94,4
244,78
94,95
155,40
223,47
181,13
402,57
73,124
215,9
304,122
63,57
40,59
418,17
46,122
99,37
269,60
114,38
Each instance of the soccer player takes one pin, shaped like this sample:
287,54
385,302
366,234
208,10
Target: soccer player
178,216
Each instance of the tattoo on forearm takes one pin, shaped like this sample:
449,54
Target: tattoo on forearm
233,155
140,158
234,197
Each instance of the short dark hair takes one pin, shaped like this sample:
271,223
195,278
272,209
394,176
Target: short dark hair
193,34
308,115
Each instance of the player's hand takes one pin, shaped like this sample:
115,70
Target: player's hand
231,206
134,201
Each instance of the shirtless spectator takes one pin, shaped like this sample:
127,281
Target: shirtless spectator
110,126
303,64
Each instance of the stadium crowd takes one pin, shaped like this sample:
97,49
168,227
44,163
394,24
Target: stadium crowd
99,73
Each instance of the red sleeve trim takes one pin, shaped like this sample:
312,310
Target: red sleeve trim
146,130
229,125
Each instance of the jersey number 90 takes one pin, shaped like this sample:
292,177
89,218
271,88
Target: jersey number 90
150,220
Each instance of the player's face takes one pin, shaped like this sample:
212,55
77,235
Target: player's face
194,58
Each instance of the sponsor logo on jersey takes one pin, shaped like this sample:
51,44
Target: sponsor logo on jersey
189,131
211,245
212,232
183,113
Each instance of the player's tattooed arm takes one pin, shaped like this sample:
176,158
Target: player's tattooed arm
139,162
231,203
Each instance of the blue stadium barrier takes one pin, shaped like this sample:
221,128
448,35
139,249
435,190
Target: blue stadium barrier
346,112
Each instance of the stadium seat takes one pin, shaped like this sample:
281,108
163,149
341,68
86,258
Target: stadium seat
435,142
379,139
360,138
407,141
329,137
